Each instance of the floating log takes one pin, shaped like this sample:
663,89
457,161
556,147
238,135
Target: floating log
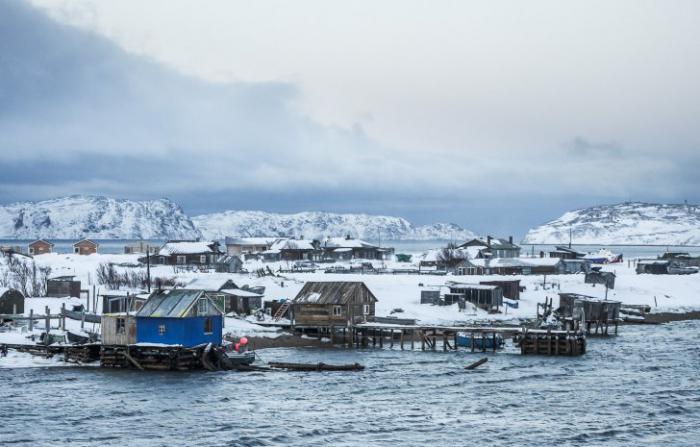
316,366
477,363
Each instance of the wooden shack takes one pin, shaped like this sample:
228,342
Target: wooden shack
118,329
40,247
11,302
487,297
652,266
337,303
597,277
85,247
190,253
510,288
119,303
63,286
592,311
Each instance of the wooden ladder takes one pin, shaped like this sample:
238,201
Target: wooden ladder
282,310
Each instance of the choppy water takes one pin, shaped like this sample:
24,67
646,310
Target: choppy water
640,389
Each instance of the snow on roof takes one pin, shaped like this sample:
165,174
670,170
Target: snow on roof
293,244
250,240
242,293
341,242
186,248
464,285
211,284
516,262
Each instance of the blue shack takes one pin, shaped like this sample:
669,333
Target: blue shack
179,317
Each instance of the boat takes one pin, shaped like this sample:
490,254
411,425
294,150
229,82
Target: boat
482,343
603,256
235,359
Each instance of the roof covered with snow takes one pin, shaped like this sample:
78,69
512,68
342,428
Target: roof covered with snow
187,248
342,242
335,292
214,284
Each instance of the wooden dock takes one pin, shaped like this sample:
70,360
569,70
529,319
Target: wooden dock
444,338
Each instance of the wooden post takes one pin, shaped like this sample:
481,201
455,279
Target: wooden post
413,338
473,342
381,338
455,340
494,341
31,320
422,341
391,343
434,339
62,321
444,341
402,332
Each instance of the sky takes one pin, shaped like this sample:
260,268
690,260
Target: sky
497,116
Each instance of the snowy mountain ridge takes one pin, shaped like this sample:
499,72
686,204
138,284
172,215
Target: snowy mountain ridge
95,217
312,224
101,217
632,223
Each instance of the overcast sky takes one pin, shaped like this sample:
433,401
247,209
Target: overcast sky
495,116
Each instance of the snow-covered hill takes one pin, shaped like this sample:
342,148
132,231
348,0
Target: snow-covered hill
95,217
320,225
625,223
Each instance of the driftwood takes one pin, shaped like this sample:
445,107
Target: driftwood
316,366
477,363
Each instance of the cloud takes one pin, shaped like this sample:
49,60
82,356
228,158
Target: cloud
581,147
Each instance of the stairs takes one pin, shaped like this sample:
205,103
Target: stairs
282,310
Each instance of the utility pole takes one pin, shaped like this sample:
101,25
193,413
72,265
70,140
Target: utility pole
148,267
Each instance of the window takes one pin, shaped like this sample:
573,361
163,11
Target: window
161,330
202,306
31,251
182,259
162,260
121,325
337,311
365,309
203,259
208,325
76,249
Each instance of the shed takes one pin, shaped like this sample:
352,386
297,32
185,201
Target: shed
430,296
85,247
487,297
598,277
118,329
11,301
179,317
653,266
333,303
39,247
594,309
510,287
63,286
228,264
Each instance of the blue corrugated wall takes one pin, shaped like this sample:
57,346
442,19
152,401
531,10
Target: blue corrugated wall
178,331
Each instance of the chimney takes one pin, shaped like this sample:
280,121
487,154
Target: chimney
488,240
510,239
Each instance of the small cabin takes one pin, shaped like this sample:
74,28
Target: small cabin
597,277
337,303
118,329
63,286
484,296
11,302
39,247
510,288
187,253
85,247
228,264
653,266
180,317
573,305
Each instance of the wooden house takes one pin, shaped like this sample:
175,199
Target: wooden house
493,247
565,253
228,264
63,286
85,247
576,306
11,302
40,247
241,246
228,296
347,248
180,317
190,253
511,266
338,303
293,250
141,247
123,303
597,277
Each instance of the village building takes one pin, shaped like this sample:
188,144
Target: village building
39,247
338,303
85,247
187,253
228,296
118,329
141,247
511,266
510,287
293,250
63,286
113,303
484,296
347,248
493,247
228,264
565,253
180,317
11,302
241,246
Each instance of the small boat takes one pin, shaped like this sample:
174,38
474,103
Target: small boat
485,343
603,256
235,359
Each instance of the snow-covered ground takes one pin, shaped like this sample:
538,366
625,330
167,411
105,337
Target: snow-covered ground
664,293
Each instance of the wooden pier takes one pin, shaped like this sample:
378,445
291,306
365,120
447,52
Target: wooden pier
444,338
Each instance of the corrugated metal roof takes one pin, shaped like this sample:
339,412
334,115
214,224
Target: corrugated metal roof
335,292
172,303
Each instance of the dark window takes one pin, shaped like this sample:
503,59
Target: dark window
121,326
208,325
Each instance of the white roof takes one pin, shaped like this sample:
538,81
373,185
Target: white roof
464,285
341,242
209,284
251,241
242,293
292,244
185,248
516,262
